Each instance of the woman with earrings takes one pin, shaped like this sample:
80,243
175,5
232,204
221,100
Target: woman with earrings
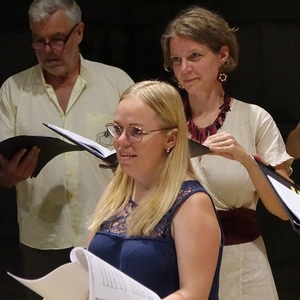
155,222
201,49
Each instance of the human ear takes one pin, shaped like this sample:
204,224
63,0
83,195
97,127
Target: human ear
223,55
79,32
171,139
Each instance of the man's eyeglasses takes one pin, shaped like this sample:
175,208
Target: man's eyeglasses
133,133
54,45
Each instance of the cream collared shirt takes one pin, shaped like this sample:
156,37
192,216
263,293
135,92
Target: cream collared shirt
54,207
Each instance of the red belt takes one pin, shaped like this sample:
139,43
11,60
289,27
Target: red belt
239,225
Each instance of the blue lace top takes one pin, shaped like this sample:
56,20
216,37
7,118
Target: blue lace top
151,260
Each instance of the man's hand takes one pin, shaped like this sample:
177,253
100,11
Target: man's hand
19,168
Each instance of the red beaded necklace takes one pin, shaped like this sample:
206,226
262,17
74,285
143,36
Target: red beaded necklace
201,134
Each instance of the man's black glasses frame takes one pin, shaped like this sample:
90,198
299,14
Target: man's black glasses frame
54,45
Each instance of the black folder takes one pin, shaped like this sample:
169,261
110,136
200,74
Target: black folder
109,157
287,192
50,147
197,149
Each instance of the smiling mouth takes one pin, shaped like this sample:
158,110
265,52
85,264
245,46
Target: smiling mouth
127,155
189,80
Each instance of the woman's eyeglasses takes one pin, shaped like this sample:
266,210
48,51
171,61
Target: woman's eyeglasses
133,133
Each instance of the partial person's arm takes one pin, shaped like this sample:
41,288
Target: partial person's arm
293,142
23,163
19,168
197,237
224,144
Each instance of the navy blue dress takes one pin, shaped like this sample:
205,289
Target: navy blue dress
151,260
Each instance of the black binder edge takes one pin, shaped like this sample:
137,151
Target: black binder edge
267,169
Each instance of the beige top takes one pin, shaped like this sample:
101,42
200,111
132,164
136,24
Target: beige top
245,270
54,207
227,181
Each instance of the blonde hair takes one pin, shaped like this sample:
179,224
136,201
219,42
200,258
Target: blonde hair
167,104
204,27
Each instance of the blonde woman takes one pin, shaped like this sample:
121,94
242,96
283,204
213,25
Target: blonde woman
155,222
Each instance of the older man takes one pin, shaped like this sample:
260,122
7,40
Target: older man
71,92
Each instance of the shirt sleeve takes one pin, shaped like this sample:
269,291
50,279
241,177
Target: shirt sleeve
269,142
7,111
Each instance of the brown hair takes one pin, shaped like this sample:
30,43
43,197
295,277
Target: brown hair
205,27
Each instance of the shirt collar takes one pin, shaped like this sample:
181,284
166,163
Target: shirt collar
83,72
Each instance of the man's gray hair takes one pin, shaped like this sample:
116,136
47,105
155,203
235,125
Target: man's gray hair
41,9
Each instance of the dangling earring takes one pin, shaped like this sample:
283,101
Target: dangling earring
222,77
180,86
168,150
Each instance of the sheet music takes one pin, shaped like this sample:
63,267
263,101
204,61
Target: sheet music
78,139
87,277
68,282
291,198
107,282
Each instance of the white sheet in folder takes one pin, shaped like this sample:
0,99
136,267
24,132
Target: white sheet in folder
72,136
289,197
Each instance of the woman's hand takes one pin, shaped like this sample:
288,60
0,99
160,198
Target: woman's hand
225,145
